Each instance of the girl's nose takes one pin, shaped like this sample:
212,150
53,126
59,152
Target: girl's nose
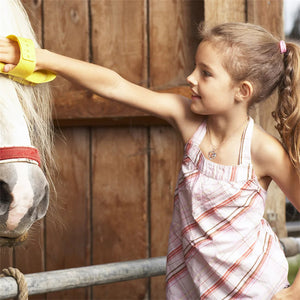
191,79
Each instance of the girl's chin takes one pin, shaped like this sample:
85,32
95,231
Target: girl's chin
196,108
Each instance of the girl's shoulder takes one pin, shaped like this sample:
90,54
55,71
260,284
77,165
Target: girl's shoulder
271,161
262,138
191,127
186,121
266,150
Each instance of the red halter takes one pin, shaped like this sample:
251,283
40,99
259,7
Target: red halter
14,154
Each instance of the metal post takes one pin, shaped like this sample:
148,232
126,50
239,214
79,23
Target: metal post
52,281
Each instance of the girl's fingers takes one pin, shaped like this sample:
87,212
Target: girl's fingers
9,51
8,67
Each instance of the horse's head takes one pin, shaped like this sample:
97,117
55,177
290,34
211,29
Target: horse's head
24,190
24,128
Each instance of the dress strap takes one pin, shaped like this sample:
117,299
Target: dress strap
245,148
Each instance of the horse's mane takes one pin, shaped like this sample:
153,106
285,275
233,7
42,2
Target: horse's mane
35,100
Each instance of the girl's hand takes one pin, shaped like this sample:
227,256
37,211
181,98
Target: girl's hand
9,54
287,294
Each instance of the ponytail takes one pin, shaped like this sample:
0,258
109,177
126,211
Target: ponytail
287,112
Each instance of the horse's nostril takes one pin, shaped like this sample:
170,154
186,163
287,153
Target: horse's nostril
5,197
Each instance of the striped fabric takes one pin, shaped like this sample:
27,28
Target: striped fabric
220,247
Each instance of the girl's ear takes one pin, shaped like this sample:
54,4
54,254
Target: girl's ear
245,91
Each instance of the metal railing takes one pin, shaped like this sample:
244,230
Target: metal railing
51,281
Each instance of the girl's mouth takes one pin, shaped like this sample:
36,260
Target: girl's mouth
195,97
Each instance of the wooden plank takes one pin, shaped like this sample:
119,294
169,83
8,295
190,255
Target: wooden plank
34,11
173,40
83,107
66,31
165,157
6,257
119,181
107,44
30,256
219,11
68,238
118,37
120,155
269,14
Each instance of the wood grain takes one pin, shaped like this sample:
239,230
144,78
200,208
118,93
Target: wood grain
68,238
30,256
34,11
219,11
119,39
166,151
66,31
173,41
120,216
84,107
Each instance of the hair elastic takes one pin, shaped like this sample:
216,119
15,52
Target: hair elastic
282,46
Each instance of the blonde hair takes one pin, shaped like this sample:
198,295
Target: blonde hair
252,53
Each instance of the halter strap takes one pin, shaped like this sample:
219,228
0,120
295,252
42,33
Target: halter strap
245,148
20,154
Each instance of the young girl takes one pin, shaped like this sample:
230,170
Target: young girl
220,246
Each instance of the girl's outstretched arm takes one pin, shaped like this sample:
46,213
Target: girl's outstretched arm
175,109
107,83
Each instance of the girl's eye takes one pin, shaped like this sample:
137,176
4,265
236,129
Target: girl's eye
206,73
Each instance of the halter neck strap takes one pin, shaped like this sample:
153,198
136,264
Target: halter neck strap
245,148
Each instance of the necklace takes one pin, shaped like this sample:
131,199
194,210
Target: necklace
212,154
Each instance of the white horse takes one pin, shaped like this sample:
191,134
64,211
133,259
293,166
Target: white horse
25,114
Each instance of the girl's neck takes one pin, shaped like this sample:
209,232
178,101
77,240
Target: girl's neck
221,127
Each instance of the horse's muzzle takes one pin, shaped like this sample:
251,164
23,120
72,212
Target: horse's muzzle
24,199
12,242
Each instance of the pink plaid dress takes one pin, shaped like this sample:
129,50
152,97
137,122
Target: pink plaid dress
220,246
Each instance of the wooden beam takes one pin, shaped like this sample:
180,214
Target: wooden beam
82,107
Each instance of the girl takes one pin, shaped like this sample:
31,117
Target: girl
220,247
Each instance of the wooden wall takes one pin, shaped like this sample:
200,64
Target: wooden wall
117,167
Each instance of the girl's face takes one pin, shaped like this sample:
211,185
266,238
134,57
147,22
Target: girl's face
213,91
